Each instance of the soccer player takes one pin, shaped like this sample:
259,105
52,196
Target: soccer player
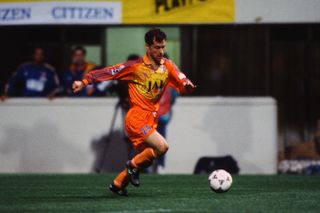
147,78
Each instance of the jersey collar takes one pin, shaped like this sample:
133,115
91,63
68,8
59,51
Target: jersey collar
147,61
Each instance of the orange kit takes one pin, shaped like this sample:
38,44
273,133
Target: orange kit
146,86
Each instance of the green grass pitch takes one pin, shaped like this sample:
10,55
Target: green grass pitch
157,193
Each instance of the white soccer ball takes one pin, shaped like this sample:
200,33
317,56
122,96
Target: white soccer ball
220,180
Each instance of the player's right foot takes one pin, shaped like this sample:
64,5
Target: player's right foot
133,174
116,190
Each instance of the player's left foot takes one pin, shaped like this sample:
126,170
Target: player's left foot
116,190
134,174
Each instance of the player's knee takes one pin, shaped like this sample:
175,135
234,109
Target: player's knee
164,148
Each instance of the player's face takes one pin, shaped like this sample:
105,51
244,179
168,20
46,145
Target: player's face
79,57
156,50
38,55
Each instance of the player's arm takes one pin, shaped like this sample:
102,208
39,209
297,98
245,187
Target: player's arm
119,71
178,80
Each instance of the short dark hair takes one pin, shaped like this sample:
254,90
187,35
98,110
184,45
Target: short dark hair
133,57
79,48
154,34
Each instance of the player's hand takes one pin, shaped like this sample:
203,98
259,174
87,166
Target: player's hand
189,86
77,86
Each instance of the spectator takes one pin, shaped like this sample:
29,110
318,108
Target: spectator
34,79
76,71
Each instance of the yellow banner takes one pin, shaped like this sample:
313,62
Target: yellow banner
147,11
178,11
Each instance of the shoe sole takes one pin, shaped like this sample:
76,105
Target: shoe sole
120,192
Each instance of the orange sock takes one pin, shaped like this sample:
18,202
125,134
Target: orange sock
121,180
144,158
141,160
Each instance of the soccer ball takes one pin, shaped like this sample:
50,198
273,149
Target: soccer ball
220,181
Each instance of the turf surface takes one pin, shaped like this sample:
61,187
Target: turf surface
165,193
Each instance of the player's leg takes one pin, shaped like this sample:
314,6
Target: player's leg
131,173
160,162
118,186
140,127
156,146
159,144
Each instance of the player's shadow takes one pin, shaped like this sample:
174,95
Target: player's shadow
28,146
110,151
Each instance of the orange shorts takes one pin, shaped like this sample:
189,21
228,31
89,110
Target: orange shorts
139,125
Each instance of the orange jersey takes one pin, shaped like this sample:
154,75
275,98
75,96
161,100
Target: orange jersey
146,84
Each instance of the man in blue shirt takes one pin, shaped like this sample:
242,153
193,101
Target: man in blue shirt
34,79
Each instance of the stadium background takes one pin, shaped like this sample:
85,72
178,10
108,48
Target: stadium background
256,64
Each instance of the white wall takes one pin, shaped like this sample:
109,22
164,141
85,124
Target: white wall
277,11
37,135
246,128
